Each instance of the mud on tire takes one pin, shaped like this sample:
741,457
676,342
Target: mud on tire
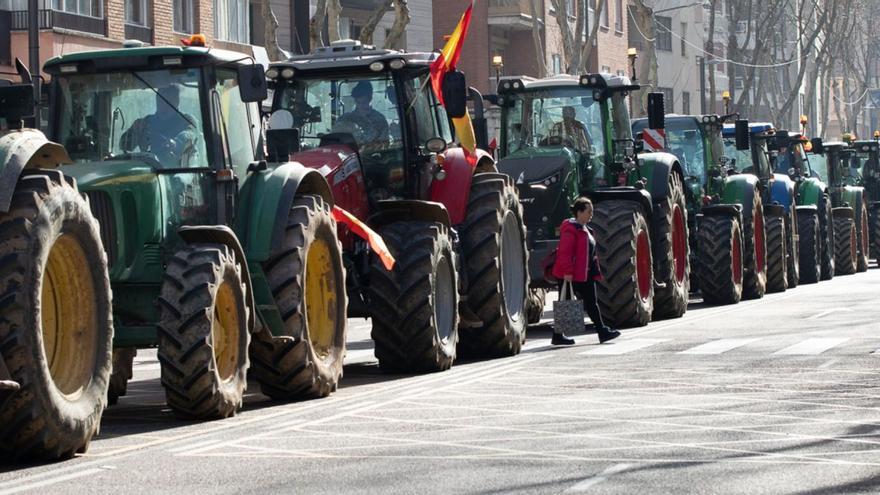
53,263
719,260
754,251
495,259
810,249
845,249
415,305
307,281
777,250
626,295
535,305
203,332
671,252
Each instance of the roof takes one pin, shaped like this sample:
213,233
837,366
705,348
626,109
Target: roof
527,83
352,54
214,55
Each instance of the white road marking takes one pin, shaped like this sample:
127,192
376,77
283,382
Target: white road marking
827,312
718,346
195,445
827,363
623,347
599,478
811,347
359,355
55,480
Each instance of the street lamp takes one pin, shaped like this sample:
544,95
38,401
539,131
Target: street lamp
498,63
632,54
725,95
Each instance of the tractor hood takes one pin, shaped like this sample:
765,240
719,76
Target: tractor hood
325,159
536,164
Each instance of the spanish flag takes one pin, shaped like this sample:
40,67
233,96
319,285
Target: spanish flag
371,236
446,62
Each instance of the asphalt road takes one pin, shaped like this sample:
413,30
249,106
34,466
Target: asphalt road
777,395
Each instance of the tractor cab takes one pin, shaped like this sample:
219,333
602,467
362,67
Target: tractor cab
834,159
865,165
791,156
757,159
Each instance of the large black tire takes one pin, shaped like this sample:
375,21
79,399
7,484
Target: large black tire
845,246
52,263
671,252
123,370
415,305
626,293
719,260
875,235
495,259
755,251
810,249
777,254
863,239
826,234
203,332
307,280
535,305
792,271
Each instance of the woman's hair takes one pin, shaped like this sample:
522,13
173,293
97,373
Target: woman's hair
580,204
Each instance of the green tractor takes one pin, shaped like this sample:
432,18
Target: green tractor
566,136
814,215
867,154
840,166
213,255
727,227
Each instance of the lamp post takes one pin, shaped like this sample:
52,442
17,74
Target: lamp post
498,63
725,95
632,54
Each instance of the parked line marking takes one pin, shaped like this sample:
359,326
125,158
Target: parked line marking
811,347
623,347
718,346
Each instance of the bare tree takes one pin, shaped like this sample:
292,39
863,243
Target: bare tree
401,19
270,32
370,27
536,36
316,24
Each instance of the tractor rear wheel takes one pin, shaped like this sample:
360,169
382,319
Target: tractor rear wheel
307,280
875,235
791,244
845,246
719,260
203,332
672,252
810,249
626,294
57,336
863,238
493,241
123,370
754,251
777,250
826,237
535,305
415,305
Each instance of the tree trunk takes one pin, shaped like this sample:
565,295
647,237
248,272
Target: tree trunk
401,19
373,21
536,37
710,44
316,25
334,9
594,33
270,32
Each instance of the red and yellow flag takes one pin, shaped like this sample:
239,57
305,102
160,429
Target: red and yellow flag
446,62
371,236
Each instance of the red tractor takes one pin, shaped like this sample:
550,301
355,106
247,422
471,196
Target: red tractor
370,122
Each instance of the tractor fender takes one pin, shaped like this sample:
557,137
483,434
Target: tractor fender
264,204
21,149
774,210
782,191
733,211
221,234
740,189
656,169
843,212
407,210
807,209
453,191
852,196
810,191
624,193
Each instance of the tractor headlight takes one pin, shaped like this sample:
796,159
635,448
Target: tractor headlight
272,73
377,66
397,64
287,73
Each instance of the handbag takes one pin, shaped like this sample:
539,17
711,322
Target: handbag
568,312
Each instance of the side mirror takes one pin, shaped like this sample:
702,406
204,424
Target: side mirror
252,83
16,103
280,143
656,111
818,145
455,93
742,134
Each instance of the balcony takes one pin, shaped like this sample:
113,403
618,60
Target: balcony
50,19
516,14
5,37
138,32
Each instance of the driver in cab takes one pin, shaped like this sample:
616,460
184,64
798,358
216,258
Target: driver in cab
572,131
372,124
166,133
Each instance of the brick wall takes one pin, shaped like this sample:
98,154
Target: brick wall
163,23
613,43
114,12
475,58
204,19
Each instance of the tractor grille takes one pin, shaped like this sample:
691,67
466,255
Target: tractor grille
102,208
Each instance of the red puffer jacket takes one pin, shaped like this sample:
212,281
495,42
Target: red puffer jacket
576,246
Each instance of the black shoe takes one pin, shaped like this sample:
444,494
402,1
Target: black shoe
561,339
606,334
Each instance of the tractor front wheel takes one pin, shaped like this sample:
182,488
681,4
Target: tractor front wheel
626,294
203,332
535,305
845,245
810,247
415,305
123,370
777,254
826,234
671,252
57,336
720,260
863,240
307,280
875,235
791,245
754,251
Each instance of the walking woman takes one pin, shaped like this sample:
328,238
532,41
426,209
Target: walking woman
577,262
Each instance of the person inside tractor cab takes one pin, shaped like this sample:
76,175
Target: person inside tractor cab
372,126
167,133
571,131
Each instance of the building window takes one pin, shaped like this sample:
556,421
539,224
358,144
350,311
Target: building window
618,16
232,21
606,69
90,8
183,16
136,12
557,64
685,103
569,7
664,33
603,16
684,33
668,103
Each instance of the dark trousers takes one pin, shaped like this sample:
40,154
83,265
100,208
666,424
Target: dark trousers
586,292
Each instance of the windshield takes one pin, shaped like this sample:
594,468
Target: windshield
555,118
819,166
684,141
152,115
743,160
793,157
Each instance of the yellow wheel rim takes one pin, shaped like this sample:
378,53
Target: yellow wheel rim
225,332
68,317
321,297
